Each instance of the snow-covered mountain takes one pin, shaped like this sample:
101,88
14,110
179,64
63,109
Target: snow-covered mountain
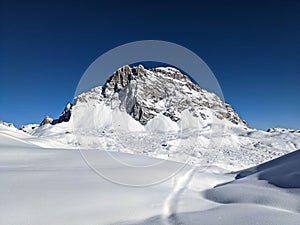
147,95
161,113
165,93
158,113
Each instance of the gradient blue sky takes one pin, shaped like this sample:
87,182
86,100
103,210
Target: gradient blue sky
253,48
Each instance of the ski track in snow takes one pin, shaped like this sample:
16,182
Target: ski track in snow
170,204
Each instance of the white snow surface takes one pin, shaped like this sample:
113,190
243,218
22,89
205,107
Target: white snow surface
29,127
55,186
231,146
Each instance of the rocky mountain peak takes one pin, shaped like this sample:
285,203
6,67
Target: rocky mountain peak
46,120
6,124
145,93
64,117
124,75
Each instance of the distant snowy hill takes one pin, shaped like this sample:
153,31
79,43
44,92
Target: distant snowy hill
10,134
2,123
282,130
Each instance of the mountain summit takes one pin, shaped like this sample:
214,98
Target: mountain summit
145,94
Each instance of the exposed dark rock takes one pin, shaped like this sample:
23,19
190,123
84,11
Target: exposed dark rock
64,117
46,120
144,93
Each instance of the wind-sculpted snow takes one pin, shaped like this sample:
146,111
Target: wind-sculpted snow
55,186
273,185
282,172
268,194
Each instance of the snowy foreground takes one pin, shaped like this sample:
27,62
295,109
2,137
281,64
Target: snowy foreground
42,185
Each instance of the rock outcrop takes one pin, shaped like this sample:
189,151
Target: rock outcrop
143,93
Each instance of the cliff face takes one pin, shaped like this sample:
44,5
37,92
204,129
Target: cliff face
144,93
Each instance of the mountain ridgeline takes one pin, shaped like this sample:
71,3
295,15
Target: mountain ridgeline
145,93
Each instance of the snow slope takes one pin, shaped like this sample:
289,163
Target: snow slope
283,172
56,186
11,135
232,147
268,194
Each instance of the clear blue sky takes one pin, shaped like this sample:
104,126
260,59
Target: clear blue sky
253,48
